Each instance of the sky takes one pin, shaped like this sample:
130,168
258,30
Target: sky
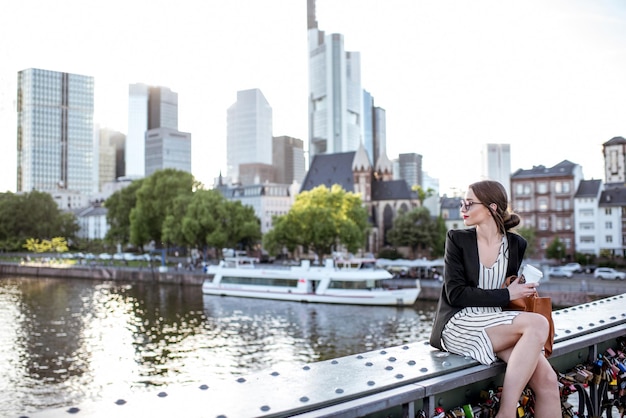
546,76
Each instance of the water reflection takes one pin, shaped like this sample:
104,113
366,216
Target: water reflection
63,341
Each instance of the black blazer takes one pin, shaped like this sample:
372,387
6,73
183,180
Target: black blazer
460,284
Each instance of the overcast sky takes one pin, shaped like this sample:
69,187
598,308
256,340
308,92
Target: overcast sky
546,76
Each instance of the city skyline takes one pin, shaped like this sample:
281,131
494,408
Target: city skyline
546,78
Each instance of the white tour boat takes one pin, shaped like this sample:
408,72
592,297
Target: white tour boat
352,281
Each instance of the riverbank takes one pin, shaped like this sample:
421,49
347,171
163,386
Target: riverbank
431,289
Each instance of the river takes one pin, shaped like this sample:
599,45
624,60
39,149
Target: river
66,341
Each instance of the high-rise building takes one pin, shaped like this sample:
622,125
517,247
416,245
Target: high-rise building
55,149
288,159
335,93
374,128
167,148
496,164
410,169
148,108
248,132
110,156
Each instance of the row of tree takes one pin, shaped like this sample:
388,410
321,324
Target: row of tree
171,209
32,215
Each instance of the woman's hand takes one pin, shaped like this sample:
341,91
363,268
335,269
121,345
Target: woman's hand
519,290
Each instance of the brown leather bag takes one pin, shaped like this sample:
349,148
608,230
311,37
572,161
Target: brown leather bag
540,305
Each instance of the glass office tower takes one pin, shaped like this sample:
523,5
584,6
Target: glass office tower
55,146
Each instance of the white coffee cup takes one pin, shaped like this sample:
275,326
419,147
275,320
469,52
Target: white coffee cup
531,274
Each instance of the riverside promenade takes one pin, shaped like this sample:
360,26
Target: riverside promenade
562,294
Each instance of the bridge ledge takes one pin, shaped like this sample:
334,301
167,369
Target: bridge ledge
407,376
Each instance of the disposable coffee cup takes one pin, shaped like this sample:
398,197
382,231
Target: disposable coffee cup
531,274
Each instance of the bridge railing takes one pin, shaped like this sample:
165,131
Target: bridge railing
396,381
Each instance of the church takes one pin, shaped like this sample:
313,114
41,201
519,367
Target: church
383,196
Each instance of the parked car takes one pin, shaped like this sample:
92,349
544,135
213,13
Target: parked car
573,267
560,272
608,273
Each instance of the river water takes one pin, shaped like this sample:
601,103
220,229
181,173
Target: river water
67,341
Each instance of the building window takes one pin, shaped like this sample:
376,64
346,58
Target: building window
608,225
567,242
608,239
542,204
543,224
559,204
562,187
559,224
588,239
543,243
542,188
586,226
607,211
522,188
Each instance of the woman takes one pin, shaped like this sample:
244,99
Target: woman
470,320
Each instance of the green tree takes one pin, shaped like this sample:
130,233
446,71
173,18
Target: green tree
414,229
320,220
439,238
207,219
155,198
530,235
33,215
422,194
556,249
119,205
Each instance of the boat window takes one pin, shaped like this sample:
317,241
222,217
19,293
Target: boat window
341,284
260,281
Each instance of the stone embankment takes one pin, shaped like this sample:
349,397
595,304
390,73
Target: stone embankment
431,289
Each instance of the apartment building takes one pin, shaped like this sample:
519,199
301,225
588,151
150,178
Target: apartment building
544,198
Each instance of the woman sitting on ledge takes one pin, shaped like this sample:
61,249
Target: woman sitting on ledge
470,320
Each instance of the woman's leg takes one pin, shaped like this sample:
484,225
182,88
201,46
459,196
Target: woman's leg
545,385
519,345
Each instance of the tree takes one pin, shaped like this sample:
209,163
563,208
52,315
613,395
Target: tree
33,215
207,219
439,239
414,229
556,249
119,206
320,220
529,234
422,194
155,198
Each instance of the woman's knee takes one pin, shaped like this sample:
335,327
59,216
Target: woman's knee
538,324
544,378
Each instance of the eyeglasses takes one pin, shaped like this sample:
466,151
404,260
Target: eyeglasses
467,204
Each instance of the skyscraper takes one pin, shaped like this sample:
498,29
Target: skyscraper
167,148
249,131
335,93
148,108
410,169
55,148
288,158
496,164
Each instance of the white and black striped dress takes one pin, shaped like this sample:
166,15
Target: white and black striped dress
465,334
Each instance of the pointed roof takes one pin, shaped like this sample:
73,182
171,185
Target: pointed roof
361,160
615,141
329,169
384,165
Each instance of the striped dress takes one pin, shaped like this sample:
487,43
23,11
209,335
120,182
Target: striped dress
465,333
